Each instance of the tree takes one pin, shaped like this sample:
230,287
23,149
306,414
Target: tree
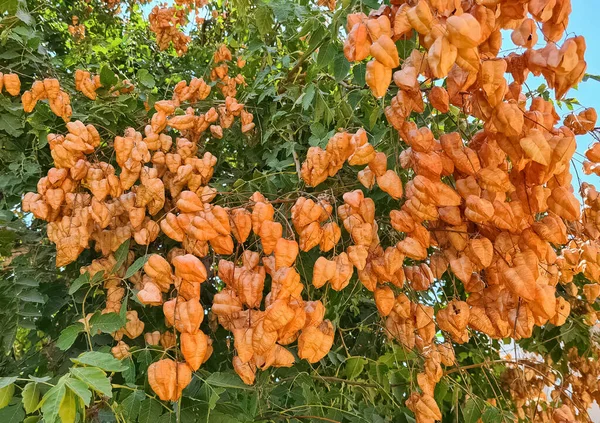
228,212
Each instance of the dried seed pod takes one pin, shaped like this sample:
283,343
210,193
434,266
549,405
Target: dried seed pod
315,341
168,378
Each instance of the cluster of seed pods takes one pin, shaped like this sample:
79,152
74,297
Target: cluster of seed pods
48,89
85,200
494,210
535,386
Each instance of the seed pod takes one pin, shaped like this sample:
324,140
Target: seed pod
168,378
194,348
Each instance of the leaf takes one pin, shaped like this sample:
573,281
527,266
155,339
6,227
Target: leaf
32,297
308,97
149,409
104,361
588,76
492,415
121,255
68,408
25,17
144,78
107,323
5,381
264,19
80,389
226,380
40,379
107,77
129,374
167,418
98,276
132,404
94,378
326,53
12,414
144,360
354,367
30,396
68,336
79,282
51,403
137,265
11,124
6,394
359,72
341,67
472,410
316,37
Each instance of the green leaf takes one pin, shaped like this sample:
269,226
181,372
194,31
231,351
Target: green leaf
12,414
359,72
40,379
98,276
51,403
79,282
492,415
107,77
144,78
25,17
472,410
32,419
168,418
354,367
129,374
5,381
149,409
308,97
326,53
588,76
6,394
144,359
30,396
80,389
131,405
137,265
94,378
11,124
69,335
68,408
104,361
316,37
121,256
226,380
341,67
32,297
107,323
264,19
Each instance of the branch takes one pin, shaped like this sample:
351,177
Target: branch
346,381
301,60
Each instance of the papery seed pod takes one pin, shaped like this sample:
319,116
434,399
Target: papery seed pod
168,378
315,342
384,300
186,316
12,83
378,78
194,348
